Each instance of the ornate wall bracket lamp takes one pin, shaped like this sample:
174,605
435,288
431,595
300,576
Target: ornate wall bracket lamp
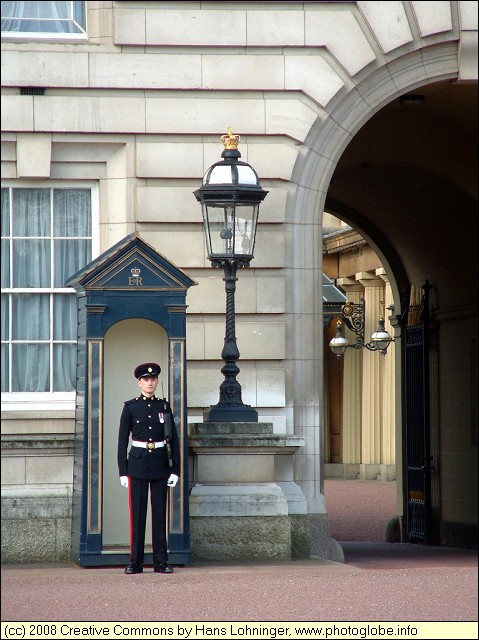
353,315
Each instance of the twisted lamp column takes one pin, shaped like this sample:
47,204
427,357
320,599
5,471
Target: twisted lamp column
230,407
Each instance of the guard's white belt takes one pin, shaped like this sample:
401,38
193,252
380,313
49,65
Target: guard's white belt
147,445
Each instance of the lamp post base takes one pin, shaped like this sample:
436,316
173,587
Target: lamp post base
239,413
239,508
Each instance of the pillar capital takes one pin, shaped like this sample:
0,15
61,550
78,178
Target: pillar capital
381,273
368,279
349,284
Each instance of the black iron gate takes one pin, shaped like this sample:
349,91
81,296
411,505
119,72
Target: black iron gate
417,414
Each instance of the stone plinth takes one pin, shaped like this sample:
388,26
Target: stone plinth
244,504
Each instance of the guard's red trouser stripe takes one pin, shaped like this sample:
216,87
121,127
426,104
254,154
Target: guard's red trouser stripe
130,510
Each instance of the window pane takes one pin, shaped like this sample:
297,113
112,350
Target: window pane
64,366
64,317
30,367
5,212
79,14
36,9
31,317
47,239
31,263
5,263
38,26
72,212
31,212
70,257
5,317
46,17
5,367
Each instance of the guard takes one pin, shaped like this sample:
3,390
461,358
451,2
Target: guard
151,465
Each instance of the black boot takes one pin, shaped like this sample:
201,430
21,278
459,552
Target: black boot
134,567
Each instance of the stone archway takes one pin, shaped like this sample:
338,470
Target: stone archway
314,172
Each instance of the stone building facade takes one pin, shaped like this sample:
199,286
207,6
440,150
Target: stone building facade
364,109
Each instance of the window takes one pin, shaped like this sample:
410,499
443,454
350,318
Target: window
46,237
43,19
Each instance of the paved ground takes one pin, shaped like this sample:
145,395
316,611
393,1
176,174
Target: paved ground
359,511
378,581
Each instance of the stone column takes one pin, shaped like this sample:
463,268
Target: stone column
352,389
388,439
373,364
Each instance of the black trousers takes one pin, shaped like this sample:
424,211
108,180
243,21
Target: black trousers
138,498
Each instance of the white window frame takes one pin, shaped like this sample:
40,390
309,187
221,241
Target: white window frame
52,35
61,401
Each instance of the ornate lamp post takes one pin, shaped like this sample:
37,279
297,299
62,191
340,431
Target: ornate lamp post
230,196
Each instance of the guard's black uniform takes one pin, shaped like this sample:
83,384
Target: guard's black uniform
145,419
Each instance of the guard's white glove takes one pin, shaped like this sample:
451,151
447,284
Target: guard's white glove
172,480
124,481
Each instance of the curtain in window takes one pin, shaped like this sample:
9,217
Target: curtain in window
72,219
31,362
5,263
5,260
31,374
49,232
64,355
5,334
64,363
38,17
31,268
31,255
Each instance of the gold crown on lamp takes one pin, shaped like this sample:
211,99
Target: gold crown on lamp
230,140
135,272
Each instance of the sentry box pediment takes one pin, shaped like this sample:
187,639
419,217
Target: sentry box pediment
131,264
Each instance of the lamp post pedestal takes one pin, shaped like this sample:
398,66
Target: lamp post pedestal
245,504
230,407
222,413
